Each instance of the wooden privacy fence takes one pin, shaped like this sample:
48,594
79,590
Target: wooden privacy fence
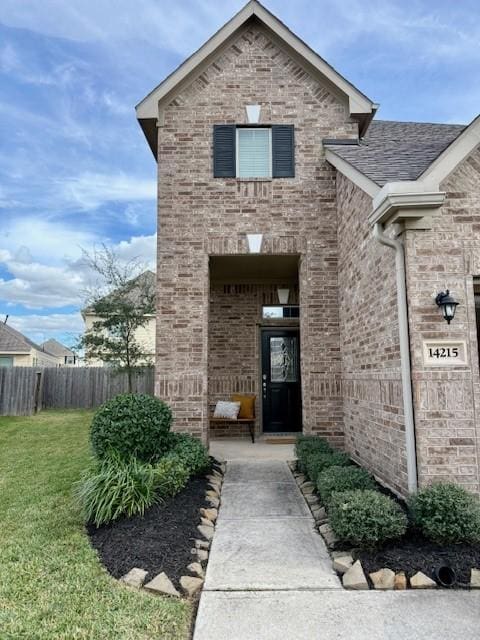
24,390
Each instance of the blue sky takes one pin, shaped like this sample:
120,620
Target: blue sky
75,169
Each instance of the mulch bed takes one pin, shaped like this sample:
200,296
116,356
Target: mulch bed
414,553
160,540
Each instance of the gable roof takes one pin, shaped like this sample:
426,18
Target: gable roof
397,151
360,106
56,348
12,341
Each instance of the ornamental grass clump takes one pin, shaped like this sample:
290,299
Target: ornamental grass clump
338,479
318,461
115,486
366,518
132,425
446,514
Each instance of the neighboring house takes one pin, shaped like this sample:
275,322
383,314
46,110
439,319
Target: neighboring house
144,335
16,350
285,211
65,356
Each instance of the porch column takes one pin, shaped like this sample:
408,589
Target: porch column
320,341
182,337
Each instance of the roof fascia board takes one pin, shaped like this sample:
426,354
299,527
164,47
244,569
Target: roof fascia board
453,155
358,103
15,352
412,197
354,175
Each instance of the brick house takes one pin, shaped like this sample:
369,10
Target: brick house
301,246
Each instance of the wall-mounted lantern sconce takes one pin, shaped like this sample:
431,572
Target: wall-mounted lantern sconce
283,295
254,241
448,304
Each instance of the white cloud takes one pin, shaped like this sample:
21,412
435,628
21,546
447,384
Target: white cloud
46,241
42,327
58,280
90,190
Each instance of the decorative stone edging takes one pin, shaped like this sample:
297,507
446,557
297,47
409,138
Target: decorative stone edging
343,561
191,585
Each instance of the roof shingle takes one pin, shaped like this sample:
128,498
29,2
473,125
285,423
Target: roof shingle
395,151
12,341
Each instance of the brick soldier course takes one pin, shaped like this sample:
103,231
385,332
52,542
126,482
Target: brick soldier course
417,182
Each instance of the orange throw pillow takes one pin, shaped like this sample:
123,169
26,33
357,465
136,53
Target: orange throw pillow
247,406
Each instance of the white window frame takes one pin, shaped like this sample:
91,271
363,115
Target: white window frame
237,157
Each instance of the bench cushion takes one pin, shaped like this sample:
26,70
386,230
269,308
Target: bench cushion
247,406
225,409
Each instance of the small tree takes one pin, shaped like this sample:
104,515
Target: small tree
122,299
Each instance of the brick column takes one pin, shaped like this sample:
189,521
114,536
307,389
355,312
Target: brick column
182,337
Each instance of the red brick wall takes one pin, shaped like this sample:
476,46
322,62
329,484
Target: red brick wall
447,400
372,391
200,215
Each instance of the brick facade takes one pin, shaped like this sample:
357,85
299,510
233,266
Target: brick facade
447,400
208,332
372,389
201,216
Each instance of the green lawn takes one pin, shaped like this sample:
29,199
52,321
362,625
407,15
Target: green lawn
51,583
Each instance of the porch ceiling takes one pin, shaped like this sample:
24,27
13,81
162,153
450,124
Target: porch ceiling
278,269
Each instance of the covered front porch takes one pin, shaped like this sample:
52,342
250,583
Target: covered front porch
254,343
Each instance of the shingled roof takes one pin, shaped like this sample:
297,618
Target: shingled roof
12,341
394,151
56,348
133,290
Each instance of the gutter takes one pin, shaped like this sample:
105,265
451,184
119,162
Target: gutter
410,205
410,441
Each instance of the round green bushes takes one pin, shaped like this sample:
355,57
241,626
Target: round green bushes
317,461
366,518
192,453
337,479
446,513
306,444
132,425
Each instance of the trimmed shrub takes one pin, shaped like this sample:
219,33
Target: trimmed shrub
171,475
305,445
366,518
192,453
317,461
114,487
446,513
337,479
132,425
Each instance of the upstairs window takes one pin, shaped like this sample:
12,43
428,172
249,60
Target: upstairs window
253,152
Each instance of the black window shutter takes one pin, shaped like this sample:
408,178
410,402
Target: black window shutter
224,151
283,151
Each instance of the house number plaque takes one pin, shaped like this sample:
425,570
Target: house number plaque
444,353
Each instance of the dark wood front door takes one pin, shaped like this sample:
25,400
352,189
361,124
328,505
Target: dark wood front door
281,395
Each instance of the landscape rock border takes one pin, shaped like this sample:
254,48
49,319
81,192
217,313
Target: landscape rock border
191,584
344,561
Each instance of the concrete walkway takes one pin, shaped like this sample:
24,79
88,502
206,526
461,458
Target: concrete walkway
269,576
